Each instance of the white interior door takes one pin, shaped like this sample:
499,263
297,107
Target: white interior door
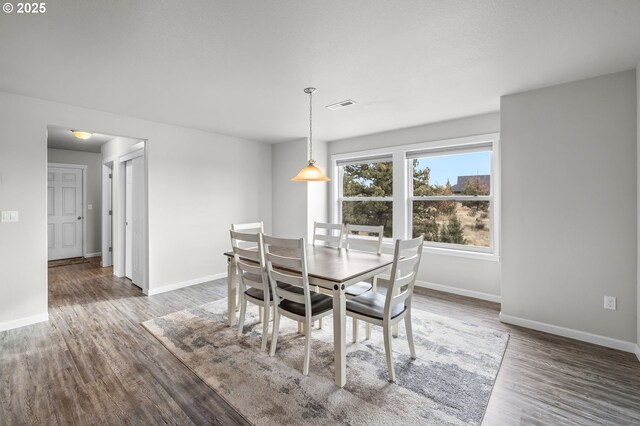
128,220
138,220
64,212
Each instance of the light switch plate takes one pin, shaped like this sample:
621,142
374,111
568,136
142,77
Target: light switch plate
9,216
89,206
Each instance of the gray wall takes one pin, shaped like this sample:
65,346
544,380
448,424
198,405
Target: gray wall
93,162
470,275
198,183
569,205
638,174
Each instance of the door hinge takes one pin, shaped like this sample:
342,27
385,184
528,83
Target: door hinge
110,249
110,176
110,212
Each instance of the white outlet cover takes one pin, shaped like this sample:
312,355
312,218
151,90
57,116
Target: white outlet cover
610,303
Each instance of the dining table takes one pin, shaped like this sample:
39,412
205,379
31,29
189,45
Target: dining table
333,270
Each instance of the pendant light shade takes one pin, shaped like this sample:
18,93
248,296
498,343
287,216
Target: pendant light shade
310,173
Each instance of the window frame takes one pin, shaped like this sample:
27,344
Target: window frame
339,172
403,198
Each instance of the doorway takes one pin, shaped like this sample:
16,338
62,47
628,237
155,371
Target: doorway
96,199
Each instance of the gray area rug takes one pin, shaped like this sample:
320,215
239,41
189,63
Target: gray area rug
449,384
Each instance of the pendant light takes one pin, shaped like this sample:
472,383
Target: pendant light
310,173
81,135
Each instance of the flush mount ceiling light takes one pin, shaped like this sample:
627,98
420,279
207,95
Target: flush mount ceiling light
310,173
81,135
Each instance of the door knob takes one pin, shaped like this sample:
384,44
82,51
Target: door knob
79,217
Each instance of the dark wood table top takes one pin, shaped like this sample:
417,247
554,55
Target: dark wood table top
340,265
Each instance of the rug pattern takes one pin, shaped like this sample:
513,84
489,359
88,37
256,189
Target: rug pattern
448,384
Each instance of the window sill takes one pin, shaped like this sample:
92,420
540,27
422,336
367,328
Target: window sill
388,246
490,257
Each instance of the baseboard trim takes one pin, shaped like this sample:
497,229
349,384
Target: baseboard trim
459,291
93,254
183,284
583,336
637,351
21,322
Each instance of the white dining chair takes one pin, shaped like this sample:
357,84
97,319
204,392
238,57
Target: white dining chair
395,306
328,234
363,238
295,300
253,280
248,228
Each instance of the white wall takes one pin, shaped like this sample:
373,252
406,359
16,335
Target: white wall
93,161
199,183
569,213
474,277
289,198
638,192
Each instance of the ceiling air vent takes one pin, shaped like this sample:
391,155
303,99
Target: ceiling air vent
342,104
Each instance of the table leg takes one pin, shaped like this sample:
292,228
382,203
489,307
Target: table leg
231,292
339,335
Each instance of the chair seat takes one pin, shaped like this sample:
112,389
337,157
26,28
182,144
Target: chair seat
320,303
372,305
256,293
358,288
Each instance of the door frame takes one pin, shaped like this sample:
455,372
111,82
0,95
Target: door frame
84,198
107,214
122,161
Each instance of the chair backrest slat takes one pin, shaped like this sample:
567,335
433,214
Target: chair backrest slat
289,295
285,261
248,228
287,278
244,253
253,228
364,237
250,268
328,233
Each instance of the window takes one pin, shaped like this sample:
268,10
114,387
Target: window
447,191
366,192
450,197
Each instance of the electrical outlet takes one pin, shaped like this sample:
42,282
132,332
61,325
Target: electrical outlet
610,303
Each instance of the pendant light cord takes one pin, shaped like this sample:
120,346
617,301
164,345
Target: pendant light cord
310,126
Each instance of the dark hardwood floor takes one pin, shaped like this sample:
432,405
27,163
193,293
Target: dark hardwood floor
93,363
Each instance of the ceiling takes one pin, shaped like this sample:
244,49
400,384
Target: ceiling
61,138
239,67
